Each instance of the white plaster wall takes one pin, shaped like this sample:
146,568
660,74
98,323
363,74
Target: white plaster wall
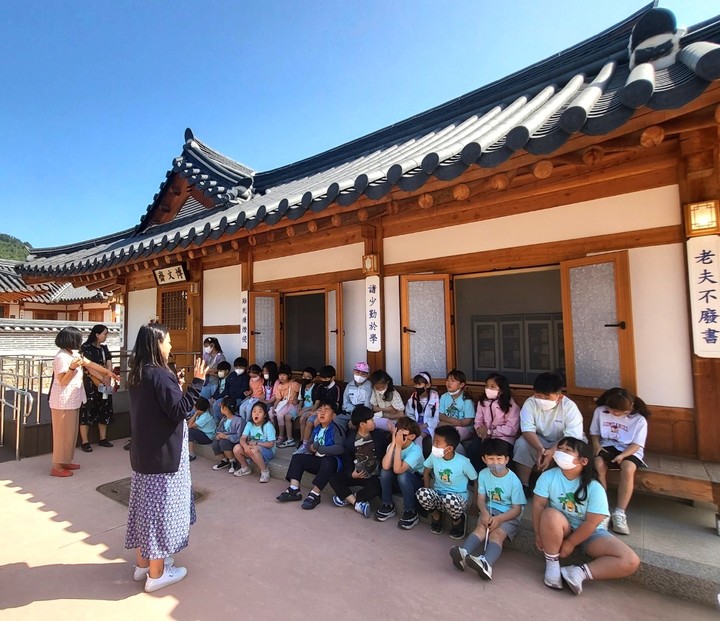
15,310
222,295
354,325
393,364
317,262
230,344
661,325
604,216
26,314
107,316
141,308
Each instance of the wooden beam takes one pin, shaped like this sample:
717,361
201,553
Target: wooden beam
312,226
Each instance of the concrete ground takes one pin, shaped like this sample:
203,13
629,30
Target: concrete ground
62,557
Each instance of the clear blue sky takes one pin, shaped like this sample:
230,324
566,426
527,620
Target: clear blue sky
96,94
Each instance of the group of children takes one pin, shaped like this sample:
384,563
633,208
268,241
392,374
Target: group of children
365,442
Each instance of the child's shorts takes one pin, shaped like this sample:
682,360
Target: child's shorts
610,452
599,533
312,418
267,454
510,527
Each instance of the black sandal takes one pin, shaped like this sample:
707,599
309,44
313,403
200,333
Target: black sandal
104,442
86,448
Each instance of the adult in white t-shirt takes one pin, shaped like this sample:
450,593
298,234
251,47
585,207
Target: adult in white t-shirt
545,418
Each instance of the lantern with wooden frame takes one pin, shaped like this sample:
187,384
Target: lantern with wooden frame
702,218
370,265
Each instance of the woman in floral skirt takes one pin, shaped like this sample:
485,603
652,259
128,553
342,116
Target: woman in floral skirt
161,501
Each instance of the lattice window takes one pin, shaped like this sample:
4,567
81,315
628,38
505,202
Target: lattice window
173,309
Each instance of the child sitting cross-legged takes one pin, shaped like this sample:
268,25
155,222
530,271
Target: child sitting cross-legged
257,443
452,473
201,426
402,468
364,447
324,458
227,435
500,502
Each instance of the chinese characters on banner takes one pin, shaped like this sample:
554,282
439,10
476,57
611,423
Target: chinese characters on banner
372,313
170,275
703,257
244,319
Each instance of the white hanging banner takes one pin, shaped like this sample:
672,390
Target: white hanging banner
244,319
372,313
703,259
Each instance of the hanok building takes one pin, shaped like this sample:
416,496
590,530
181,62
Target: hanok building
545,222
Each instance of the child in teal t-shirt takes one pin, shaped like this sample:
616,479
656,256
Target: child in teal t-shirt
201,426
569,510
500,502
452,474
257,443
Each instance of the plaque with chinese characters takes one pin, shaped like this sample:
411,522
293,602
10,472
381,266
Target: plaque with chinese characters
170,275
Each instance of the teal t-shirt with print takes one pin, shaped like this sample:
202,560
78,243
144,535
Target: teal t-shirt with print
413,457
266,433
500,493
206,423
452,475
560,492
459,408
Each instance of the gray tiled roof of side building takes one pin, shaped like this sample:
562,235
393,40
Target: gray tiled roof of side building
592,88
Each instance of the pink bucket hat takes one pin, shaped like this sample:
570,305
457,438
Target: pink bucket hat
362,367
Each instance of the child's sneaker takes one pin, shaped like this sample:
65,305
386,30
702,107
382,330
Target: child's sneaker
192,457
436,526
458,554
243,472
339,502
573,577
619,523
301,450
311,501
171,575
458,530
384,513
264,476
552,575
141,573
409,520
279,441
480,565
363,508
289,495
223,463
289,443
233,467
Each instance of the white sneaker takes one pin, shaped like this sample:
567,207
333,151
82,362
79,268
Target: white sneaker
619,523
171,575
552,575
573,577
264,476
458,555
243,472
234,466
480,565
141,573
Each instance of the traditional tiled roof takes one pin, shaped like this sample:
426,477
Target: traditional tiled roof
592,88
13,288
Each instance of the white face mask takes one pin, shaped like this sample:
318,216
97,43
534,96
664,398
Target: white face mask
221,374
359,379
492,393
207,349
455,393
564,460
266,376
497,468
239,371
545,404
438,452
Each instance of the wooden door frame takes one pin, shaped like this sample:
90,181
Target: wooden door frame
339,325
623,304
407,372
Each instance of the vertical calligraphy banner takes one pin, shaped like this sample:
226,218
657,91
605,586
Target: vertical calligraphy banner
244,319
372,313
703,278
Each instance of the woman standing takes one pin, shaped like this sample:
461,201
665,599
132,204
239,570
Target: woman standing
66,396
161,501
212,355
99,407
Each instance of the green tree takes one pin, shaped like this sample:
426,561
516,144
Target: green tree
12,248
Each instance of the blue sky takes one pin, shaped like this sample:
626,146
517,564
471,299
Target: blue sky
97,94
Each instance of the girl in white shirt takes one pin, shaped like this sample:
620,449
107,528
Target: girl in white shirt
618,432
386,402
423,407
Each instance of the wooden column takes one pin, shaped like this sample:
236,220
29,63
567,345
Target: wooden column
373,239
699,179
195,305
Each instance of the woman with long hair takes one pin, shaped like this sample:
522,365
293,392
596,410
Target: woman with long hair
161,507
99,406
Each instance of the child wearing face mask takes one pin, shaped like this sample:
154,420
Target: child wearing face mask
452,474
500,502
285,400
386,402
618,432
237,382
357,392
423,407
456,406
545,418
569,510
270,379
213,356
497,418
324,391
254,392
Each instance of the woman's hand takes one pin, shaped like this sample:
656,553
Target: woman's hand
200,370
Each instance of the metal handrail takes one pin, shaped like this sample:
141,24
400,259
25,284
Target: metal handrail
17,393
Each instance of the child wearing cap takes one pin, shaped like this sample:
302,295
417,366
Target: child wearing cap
357,392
